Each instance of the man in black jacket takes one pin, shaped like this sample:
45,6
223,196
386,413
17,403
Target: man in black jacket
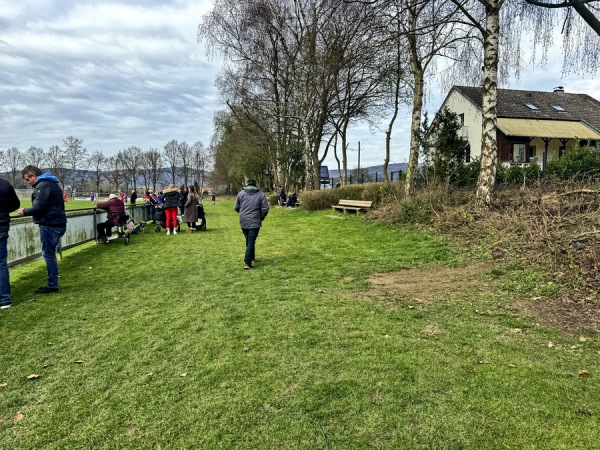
48,211
8,203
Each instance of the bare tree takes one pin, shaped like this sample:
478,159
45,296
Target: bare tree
75,159
199,163
98,164
35,156
55,158
171,157
114,172
13,160
131,160
185,159
578,5
150,168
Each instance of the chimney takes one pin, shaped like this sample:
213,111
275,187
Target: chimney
559,89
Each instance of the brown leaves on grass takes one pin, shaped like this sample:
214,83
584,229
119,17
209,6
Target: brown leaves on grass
33,376
583,373
18,417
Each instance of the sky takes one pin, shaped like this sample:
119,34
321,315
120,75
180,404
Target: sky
131,73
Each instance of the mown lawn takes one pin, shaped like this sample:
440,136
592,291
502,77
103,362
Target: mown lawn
168,344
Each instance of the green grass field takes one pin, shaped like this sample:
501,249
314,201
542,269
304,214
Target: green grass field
168,344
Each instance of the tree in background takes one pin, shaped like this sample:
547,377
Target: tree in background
55,159
13,159
444,152
35,156
75,158
171,157
150,167
98,165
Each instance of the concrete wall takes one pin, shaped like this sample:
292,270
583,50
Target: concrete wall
24,235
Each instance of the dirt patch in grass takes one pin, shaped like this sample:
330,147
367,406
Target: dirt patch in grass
429,283
570,317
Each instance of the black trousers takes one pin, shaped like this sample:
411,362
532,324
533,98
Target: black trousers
104,229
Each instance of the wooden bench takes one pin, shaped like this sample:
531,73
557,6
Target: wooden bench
353,205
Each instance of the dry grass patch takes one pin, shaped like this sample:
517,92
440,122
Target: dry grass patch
428,284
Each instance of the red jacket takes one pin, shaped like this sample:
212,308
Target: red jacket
115,209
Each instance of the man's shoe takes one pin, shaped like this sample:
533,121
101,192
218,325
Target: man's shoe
45,290
247,267
5,306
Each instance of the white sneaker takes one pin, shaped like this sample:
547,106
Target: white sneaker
4,306
174,231
168,232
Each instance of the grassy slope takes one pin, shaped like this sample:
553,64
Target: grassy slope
168,343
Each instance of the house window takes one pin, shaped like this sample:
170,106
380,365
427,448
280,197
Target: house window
461,120
531,106
559,108
519,152
532,151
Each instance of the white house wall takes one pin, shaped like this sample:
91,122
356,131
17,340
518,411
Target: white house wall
473,119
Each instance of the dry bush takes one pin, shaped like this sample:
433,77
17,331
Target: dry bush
556,224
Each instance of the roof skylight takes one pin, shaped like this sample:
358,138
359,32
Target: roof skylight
559,108
531,106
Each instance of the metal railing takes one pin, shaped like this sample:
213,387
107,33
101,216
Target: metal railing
24,237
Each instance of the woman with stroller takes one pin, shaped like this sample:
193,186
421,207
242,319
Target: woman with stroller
190,210
171,203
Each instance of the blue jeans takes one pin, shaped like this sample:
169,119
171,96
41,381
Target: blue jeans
4,277
50,237
251,235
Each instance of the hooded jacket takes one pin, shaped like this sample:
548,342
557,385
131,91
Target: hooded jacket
8,203
171,198
253,207
47,204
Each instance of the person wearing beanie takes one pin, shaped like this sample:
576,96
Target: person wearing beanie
115,215
252,206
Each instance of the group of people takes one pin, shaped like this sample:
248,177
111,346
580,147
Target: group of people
48,212
182,202
290,200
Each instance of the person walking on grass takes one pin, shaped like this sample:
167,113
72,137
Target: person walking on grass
48,211
190,209
8,203
171,203
253,207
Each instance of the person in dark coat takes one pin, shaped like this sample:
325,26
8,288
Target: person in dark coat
48,211
8,203
171,203
133,198
183,193
190,210
253,207
115,209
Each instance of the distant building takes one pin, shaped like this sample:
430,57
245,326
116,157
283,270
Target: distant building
532,125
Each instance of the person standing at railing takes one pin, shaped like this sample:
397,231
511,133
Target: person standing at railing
48,211
8,203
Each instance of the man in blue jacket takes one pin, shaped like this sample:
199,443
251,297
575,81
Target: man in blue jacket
8,203
48,211
253,207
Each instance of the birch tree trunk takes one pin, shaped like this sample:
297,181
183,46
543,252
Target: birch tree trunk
489,146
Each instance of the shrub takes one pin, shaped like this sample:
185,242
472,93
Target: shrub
580,163
376,192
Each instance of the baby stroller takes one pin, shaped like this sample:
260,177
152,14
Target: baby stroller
201,223
160,218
